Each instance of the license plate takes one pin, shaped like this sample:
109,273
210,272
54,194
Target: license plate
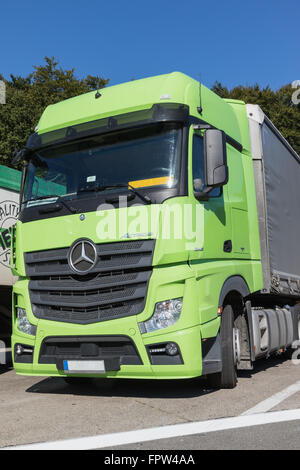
84,367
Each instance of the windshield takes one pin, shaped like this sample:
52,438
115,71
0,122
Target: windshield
142,158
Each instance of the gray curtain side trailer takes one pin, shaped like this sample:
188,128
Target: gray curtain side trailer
276,165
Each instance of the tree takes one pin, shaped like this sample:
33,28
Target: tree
277,105
27,97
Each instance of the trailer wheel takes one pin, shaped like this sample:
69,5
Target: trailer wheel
228,377
288,354
297,313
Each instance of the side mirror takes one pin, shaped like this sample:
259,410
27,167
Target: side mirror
20,155
215,159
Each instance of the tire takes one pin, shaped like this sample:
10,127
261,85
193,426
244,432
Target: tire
288,354
296,310
228,377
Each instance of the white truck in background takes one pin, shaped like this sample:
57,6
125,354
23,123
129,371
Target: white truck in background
9,209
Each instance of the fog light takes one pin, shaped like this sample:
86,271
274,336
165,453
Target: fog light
171,349
157,350
19,349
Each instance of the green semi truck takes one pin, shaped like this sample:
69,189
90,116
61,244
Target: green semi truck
157,236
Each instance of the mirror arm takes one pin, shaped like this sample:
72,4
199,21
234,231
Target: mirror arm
20,155
200,127
24,172
203,195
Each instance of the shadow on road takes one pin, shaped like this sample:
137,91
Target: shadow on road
124,388
264,364
5,368
182,388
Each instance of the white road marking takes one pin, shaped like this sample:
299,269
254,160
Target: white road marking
164,432
274,400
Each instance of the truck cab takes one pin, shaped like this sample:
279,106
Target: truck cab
137,245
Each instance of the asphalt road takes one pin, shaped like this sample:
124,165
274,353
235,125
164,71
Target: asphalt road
267,437
36,410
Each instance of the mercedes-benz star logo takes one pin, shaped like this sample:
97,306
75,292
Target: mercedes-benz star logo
83,256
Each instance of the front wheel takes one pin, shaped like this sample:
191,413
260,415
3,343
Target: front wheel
228,377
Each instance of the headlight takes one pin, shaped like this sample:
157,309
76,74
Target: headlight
165,314
23,323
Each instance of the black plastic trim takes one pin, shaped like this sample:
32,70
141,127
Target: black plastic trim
159,112
91,202
115,287
211,355
163,359
95,350
25,358
234,283
135,254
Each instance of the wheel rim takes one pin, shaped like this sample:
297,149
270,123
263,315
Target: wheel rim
237,346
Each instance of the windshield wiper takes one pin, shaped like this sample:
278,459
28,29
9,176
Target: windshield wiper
145,199
58,201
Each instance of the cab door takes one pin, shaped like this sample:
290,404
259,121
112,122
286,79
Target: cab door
217,230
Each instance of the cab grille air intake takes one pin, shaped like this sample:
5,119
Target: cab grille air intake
115,287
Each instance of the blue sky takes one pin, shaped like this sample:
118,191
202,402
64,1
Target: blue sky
235,42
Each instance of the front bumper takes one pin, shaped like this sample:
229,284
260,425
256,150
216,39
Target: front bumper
165,283
188,341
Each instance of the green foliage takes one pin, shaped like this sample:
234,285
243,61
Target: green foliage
277,105
27,97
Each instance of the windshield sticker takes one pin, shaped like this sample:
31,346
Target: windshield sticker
169,180
90,179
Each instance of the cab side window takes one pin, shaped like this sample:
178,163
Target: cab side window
198,167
